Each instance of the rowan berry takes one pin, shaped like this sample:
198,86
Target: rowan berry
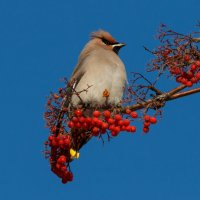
128,111
153,120
118,117
146,118
134,114
145,130
70,124
78,112
132,129
96,113
126,122
186,58
106,113
111,121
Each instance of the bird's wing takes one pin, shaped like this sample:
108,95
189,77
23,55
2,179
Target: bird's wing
73,82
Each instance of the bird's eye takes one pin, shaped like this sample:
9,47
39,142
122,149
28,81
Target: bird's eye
106,42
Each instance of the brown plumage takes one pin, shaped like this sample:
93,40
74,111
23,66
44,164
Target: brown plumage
100,67
103,34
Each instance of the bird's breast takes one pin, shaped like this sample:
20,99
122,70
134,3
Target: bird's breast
102,72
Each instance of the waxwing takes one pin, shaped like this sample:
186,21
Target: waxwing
100,75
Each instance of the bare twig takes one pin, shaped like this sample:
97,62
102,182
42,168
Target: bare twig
160,99
196,40
183,94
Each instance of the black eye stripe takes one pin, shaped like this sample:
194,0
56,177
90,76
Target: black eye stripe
107,42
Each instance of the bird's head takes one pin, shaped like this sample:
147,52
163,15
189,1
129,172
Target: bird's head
106,41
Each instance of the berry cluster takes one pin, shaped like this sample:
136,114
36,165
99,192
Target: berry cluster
61,170
60,141
188,77
63,140
101,122
60,155
148,120
71,128
78,126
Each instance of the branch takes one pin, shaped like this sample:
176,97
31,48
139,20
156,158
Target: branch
183,94
196,40
160,100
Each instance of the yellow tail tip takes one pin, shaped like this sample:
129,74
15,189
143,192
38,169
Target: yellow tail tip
74,154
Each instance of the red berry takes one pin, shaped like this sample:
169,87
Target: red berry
153,120
67,142
70,176
134,114
54,143
183,80
51,137
179,79
99,123
146,118
111,127
74,119
77,125
128,111
189,84
132,129
111,121
64,180
58,165
178,71
96,113
145,130
186,58
88,120
166,52
190,74
197,63
95,131
128,128
63,168
113,133
175,70
106,113
123,128
95,120
126,122
62,159
70,124
193,80
104,125
78,112
120,123
58,138
116,129
85,126
198,75
53,129
118,117
193,67
82,120
61,142
146,124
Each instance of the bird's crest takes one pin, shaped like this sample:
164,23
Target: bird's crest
103,35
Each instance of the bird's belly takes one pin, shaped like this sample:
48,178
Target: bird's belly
99,86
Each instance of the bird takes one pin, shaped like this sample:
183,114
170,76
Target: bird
100,75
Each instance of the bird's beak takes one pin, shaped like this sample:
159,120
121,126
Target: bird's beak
117,47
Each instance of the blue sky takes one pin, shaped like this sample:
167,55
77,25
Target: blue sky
39,44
